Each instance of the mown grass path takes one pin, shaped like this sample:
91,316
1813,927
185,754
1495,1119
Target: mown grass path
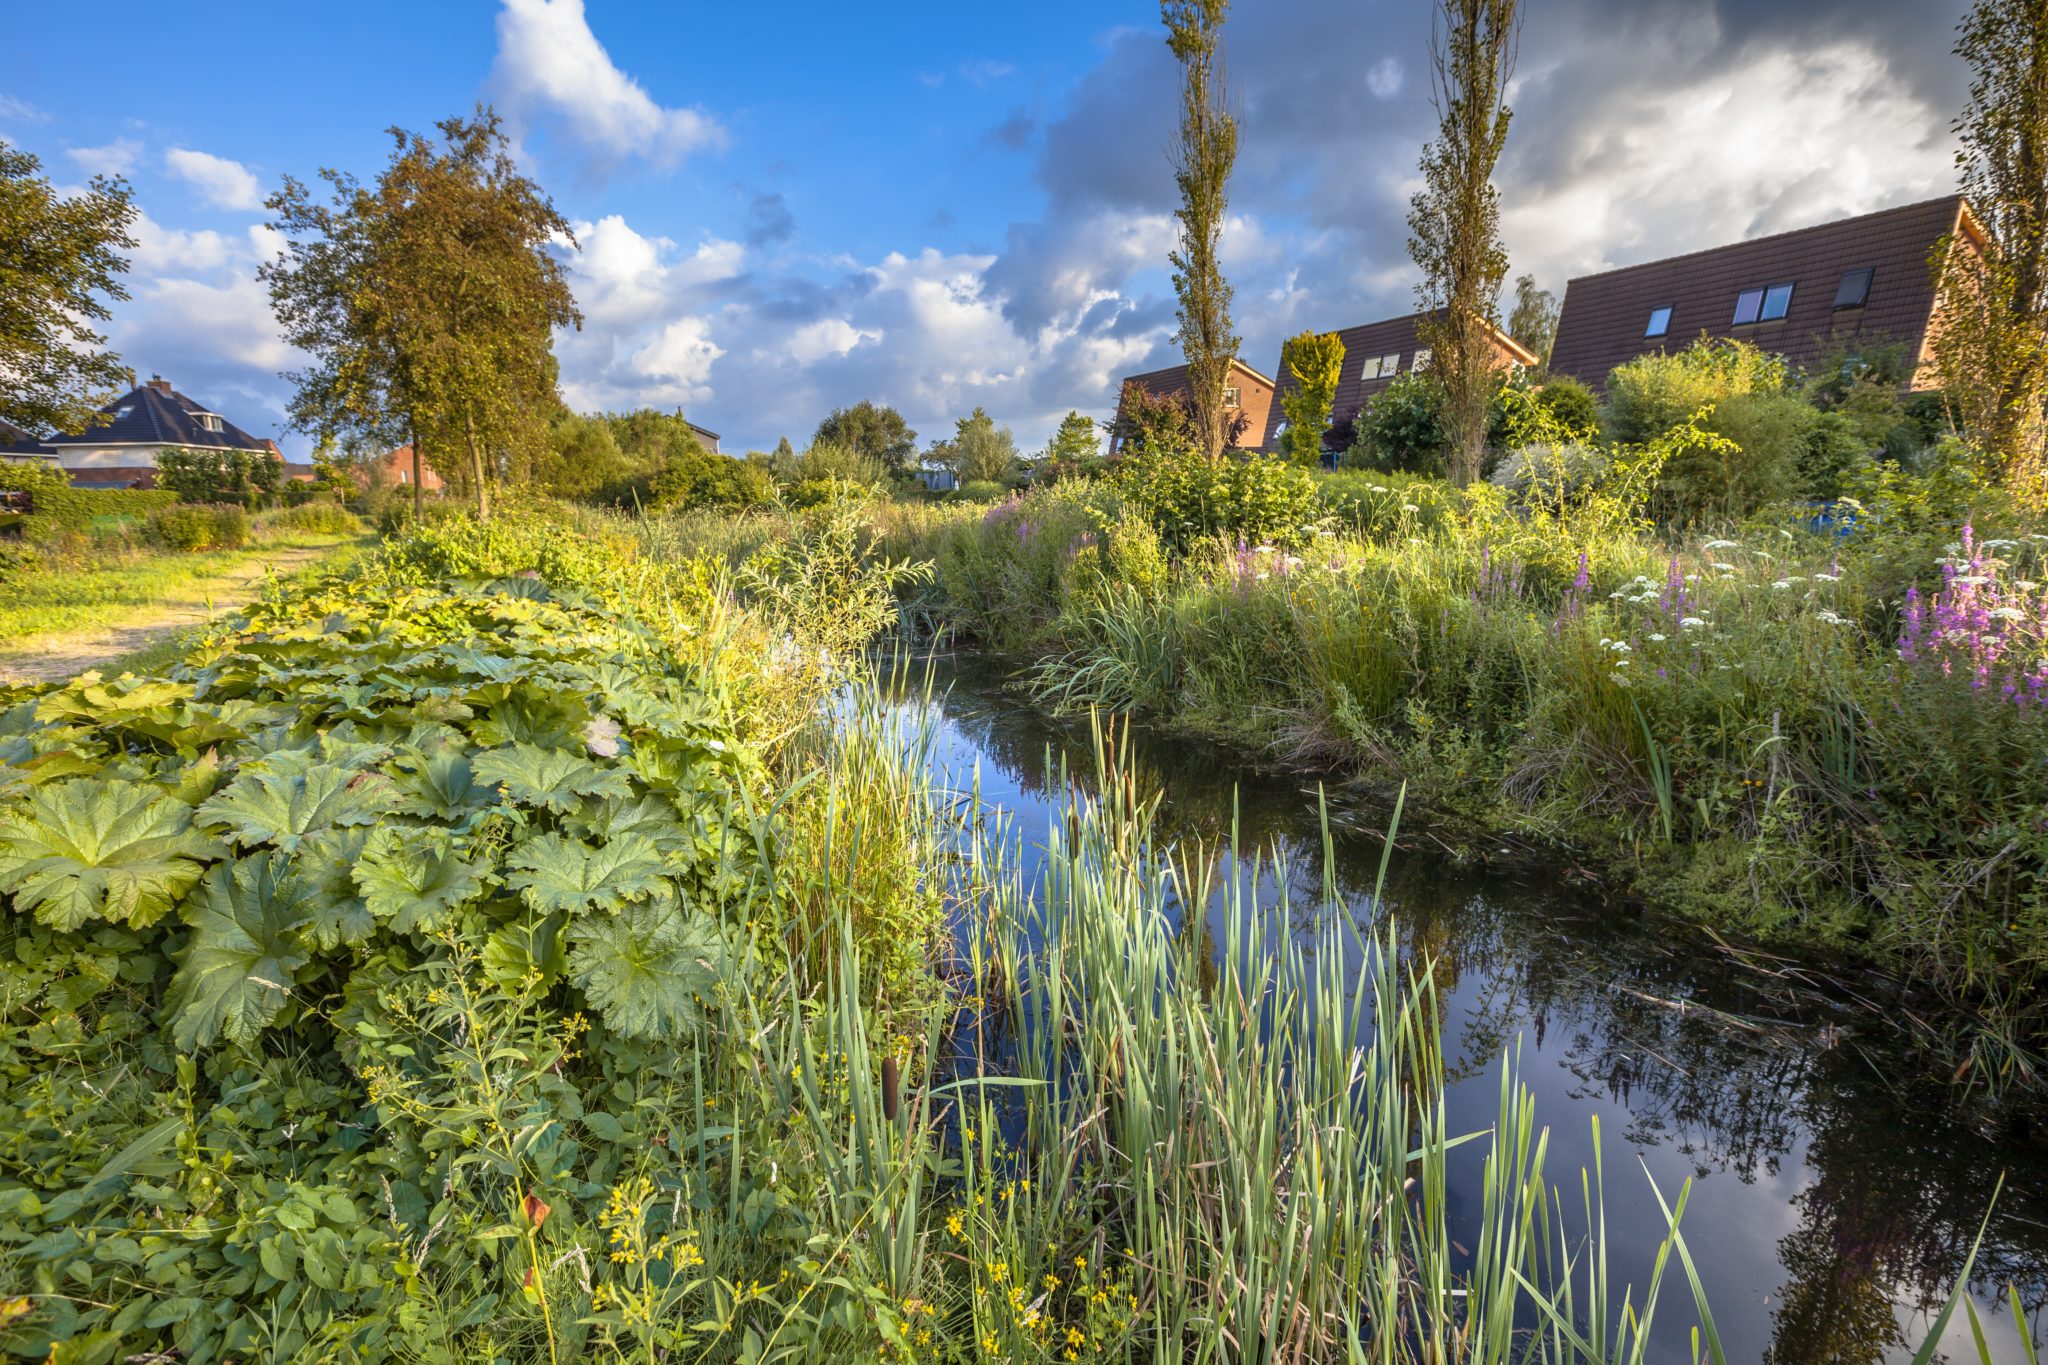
54,625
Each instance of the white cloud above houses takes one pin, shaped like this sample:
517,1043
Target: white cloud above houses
225,184
550,67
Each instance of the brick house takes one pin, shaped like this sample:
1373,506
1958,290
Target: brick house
393,469
1797,293
1248,393
1375,354
146,422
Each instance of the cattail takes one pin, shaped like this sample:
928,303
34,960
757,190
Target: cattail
891,1101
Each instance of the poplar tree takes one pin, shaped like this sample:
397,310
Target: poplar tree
1454,219
429,304
1533,322
1203,156
1314,361
1991,346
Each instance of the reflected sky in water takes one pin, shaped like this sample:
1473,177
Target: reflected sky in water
1831,1209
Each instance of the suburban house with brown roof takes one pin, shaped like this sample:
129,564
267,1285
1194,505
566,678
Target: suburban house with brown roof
145,422
1375,354
1798,294
1248,393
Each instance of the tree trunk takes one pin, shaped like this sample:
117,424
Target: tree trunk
476,468
413,439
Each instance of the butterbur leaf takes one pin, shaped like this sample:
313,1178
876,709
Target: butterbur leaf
236,973
412,879
556,872
555,779
523,950
440,786
601,737
84,847
646,968
285,809
328,863
647,814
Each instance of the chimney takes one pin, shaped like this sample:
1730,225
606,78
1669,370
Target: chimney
160,384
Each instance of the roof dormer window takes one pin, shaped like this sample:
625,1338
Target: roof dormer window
208,421
1854,290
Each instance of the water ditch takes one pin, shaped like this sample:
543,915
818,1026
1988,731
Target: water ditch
1834,1203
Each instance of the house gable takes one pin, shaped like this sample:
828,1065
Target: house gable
1254,396
1618,315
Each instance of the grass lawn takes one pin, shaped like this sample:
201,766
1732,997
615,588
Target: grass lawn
55,622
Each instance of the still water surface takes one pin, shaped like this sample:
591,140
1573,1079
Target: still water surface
1831,1209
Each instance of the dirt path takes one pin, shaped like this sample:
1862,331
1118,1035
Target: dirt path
55,657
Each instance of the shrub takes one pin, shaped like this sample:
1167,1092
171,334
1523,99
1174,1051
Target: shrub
1651,394
182,528
192,527
694,477
980,490
1552,477
247,477
1766,435
314,518
62,510
1401,430
1188,496
1833,457
1571,405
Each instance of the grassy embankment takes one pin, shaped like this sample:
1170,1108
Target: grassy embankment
1831,742
486,953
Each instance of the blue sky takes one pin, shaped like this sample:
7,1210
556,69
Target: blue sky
782,208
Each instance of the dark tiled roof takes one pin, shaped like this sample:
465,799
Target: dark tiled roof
161,416
16,440
1604,316
1365,344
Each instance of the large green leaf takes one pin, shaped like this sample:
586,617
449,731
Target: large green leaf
556,872
555,779
328,864
648,967
413,879
441,786
236,973
265,806
85,847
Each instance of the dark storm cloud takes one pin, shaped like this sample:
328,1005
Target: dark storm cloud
1013,133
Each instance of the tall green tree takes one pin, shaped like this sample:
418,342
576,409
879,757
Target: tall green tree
872,429
1533,320
980,451
429,304
60,263
1203,157
1991,349
1454,219
1314,361
1075,444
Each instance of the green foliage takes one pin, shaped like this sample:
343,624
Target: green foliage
1204,153
1189,497
1533,319
1653,393
980,490
1401,430
1314,362
316,518
1765,434
697,478
1571,405
220,475
192,527
60,266
60,508
980,451
874,431
1075,448
428,303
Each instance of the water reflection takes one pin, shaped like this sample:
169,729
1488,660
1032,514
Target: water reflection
1832,1209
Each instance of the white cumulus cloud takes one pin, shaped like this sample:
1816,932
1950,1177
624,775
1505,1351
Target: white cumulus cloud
549,61
114,158
226,184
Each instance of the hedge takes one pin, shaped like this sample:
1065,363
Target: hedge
59,506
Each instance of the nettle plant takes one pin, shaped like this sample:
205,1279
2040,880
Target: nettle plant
209,884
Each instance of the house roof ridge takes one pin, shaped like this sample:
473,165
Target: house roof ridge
1954,196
